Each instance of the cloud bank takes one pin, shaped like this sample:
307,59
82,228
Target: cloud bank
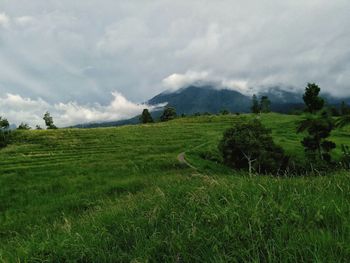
64,51
18,109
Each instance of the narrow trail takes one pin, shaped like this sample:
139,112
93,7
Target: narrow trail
182,160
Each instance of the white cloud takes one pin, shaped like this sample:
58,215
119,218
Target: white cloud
4,20
176,81
64,51
24,20
18,109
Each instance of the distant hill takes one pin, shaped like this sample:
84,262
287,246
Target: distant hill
195,99
201,99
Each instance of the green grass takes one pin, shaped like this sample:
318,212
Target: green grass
119,195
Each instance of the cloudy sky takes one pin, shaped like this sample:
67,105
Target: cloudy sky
96,59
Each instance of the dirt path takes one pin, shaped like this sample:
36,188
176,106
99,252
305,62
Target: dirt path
182,160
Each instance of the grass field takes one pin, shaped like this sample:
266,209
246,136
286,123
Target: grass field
120,195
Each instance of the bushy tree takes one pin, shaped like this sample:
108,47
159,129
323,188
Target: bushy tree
344,108
169,113
249,145
49,121
265,104
38,127
23,126
319,128
312,99
255,108
224,112
146,117
4,132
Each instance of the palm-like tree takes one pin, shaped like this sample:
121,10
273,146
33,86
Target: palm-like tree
343,121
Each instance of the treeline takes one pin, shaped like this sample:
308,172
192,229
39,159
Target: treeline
5,131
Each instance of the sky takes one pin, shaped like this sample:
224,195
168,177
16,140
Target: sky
98,60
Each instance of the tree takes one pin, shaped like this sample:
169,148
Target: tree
49,121
4,124
311,98
224,112
249,145
4,132
169,113
265,104
146,117
344,108
319,128
38,127
23,126
255,105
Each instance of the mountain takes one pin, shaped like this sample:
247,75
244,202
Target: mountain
195,99
201,99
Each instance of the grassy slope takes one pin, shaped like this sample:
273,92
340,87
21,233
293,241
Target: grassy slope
118,194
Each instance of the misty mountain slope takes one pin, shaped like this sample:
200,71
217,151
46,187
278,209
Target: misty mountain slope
201,99
204,99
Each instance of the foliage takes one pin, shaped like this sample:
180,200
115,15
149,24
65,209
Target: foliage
345,161
4,132
249,145
146,117
311,98
169,113
224,112
255,108
23,126
344,108
319,128
38,127
49,121
265,104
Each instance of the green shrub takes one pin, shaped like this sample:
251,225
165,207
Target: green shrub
249,145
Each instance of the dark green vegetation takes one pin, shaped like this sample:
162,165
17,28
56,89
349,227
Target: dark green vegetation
119,194
146,117
4,132
249,145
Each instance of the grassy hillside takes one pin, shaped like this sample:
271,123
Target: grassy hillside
119,194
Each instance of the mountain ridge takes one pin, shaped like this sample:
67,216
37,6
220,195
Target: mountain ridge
207,98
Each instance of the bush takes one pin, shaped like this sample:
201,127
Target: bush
168,114
249,145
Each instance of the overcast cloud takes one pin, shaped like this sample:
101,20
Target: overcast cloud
53,52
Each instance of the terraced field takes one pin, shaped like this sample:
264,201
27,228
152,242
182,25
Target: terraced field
119,194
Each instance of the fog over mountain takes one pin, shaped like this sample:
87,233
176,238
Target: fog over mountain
73,57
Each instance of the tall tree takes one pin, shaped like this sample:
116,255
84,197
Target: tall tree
49,121
319,128
4,124
255,105
169,113
4,132
265,104
312,99
146,117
